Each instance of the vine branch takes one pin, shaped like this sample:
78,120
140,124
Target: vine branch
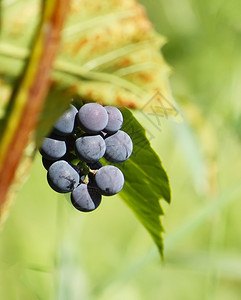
29,96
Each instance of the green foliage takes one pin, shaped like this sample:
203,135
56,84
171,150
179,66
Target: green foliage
146,181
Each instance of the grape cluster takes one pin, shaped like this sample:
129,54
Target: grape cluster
71,154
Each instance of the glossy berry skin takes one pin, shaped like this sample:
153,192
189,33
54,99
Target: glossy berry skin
119,147
62,177
65,124
115,119
85,197
53,148
90,148
109,180
92,117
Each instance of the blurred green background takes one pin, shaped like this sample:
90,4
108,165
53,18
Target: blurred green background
50,251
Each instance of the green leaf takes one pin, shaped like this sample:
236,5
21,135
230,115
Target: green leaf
146,181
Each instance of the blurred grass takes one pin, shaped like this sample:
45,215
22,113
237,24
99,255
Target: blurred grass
50,251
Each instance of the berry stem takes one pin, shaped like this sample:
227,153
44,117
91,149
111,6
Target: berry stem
86,180
93,171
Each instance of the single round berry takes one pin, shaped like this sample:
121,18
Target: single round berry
85,197
92,117
53,148
119,147
115,119
90,148
109,180
62,177
65,124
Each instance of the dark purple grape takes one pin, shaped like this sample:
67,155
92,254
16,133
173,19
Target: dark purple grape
90,148
62,177
65,124
72,158
119,147
92,117
53,149
115,119
109,180
85,197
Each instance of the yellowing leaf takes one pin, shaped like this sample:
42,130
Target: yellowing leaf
109,50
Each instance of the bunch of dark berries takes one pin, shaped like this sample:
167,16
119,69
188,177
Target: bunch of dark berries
72,151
